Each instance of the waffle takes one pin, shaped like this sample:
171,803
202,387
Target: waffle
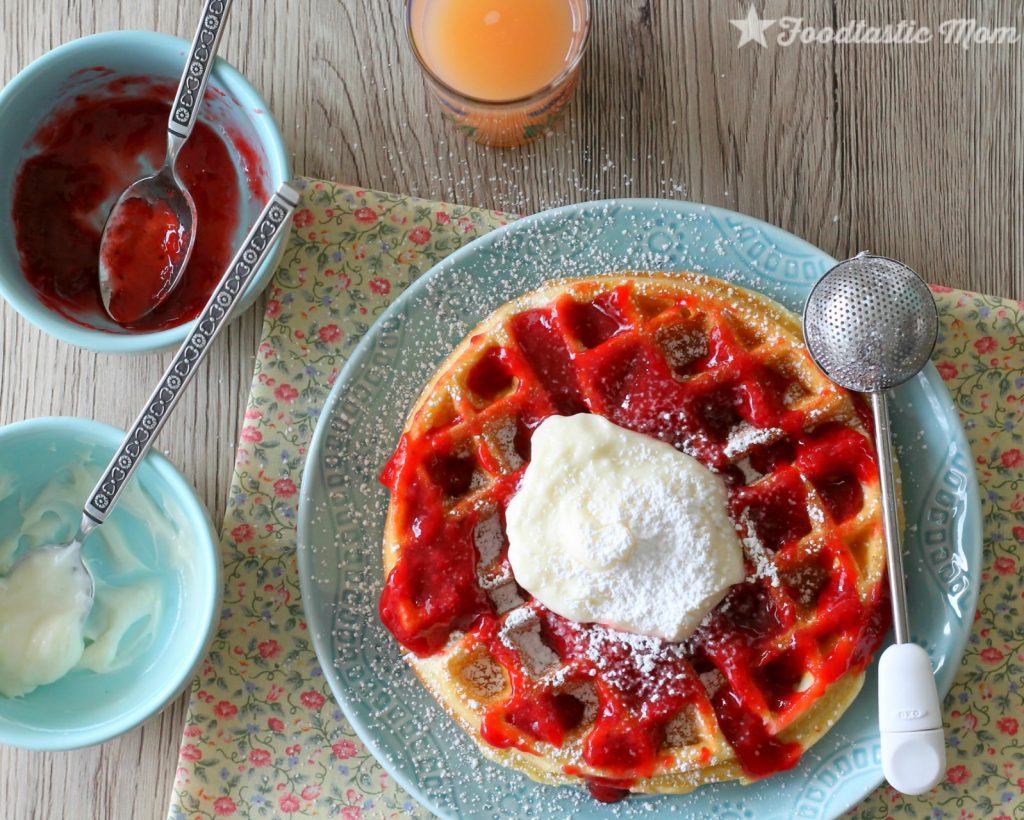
722,374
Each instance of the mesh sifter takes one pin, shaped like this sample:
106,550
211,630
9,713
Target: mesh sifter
871,324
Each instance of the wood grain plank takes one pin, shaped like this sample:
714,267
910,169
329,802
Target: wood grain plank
916,152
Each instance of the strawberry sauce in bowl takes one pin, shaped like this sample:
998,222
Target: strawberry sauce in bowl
79,126
87,153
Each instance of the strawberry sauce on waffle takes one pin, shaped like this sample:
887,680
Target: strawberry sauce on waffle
721,374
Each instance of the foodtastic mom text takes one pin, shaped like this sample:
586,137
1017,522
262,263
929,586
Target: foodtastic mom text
963,32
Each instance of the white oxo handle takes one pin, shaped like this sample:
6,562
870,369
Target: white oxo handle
913,743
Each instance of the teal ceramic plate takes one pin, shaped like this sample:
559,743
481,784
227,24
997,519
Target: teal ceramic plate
343,509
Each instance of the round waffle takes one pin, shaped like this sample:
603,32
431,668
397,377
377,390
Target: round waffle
722,374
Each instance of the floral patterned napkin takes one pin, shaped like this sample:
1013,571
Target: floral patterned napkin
264,737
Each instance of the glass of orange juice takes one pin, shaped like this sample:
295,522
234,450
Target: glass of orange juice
502,70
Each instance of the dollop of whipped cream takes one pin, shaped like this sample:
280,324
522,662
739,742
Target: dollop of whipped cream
614,527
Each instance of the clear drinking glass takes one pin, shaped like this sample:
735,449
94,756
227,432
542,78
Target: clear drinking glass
504,123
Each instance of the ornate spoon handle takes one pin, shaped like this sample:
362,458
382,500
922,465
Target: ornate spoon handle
201,57
181,370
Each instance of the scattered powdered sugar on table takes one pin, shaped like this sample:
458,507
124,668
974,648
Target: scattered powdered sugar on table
588,172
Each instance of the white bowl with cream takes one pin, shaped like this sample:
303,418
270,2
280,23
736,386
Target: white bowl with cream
156,566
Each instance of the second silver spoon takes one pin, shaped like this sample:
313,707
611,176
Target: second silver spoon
158,408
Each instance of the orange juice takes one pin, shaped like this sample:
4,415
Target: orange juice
498,50
503,70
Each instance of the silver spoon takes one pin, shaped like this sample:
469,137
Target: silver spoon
163,192
870,325
183,367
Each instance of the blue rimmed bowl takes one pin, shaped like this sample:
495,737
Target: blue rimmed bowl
232,107
156,557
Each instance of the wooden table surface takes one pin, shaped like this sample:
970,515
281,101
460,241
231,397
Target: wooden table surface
913,151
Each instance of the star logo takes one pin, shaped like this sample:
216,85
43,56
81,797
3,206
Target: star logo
752,28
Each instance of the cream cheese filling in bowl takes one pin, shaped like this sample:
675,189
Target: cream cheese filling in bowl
156,567
43,609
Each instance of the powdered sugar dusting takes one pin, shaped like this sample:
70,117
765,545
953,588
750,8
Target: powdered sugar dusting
505,437
586,693
745,436
485,676
713,680
505,597
755,550
750,475
646,651
489,539
521,633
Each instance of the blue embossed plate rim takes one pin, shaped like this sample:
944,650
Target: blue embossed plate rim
829,788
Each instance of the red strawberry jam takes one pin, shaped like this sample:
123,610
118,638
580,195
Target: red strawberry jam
81,159
145,244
